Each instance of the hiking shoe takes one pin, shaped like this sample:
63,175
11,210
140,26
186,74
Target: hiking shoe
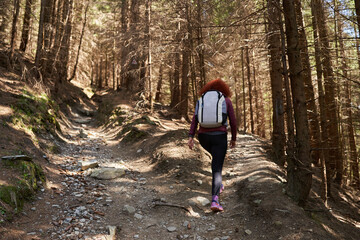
215,205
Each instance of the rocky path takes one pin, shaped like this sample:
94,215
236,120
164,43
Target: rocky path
136,202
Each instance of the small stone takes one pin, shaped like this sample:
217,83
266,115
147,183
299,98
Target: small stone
108,173
129,209
136,236
138,216
185,224
248,231
33,208
199,181
225,238
139,150
88,164
252,178
56,206
278,223
257,201
212,228
203,201
171,229
171,187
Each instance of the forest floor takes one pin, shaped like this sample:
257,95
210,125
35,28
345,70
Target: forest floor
162,188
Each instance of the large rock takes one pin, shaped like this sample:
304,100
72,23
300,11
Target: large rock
108,173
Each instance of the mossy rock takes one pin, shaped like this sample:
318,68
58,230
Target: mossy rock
25,186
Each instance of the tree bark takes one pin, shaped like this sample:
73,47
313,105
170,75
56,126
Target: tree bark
63,57
278,133
80,42
248,73
26,25
335,157
159,84
314,127
299,171
290,144
124,38
243,88
184,103
200,46
357,10
14,26
324,154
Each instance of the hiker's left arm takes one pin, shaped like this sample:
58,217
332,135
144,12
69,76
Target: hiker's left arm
232,120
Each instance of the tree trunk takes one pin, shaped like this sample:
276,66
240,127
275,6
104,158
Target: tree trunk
243,87
159,84
14,26
256,97
200,46
176,81
63,56
26,25
335,157
314,127
184,103
148,51
248,72
278,134
290,144
357,9
124,39
354,164
299,171
176,94
80,41
324,153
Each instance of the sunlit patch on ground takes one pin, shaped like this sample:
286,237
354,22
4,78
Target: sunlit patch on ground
5,111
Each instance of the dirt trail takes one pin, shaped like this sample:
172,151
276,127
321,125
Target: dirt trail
162,193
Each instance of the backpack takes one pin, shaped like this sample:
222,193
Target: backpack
211,109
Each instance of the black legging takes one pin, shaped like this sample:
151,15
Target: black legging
216,145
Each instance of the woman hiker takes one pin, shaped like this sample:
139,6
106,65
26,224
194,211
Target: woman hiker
211,112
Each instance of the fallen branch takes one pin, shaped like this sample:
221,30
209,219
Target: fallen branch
188,209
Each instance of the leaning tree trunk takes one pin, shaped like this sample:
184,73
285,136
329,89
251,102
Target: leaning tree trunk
278,133
26,25
299,171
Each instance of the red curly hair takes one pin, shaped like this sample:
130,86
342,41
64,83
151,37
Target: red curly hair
216,84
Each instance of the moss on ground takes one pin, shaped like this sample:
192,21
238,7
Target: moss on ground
134,134
37,113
